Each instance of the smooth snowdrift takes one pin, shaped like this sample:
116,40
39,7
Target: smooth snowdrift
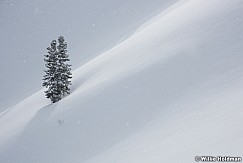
168,93
17,116
192,129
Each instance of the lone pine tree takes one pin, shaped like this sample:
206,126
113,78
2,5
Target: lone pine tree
58,73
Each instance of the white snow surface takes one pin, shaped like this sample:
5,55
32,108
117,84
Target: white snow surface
170,92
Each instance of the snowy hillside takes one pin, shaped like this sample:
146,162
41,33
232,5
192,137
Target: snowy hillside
89,26
168,93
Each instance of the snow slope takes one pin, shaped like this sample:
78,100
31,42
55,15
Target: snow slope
28,27
168,93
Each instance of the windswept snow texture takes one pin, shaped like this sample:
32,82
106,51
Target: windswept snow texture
168,93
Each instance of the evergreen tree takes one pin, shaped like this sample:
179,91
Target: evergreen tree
49,77
58,73
64,69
